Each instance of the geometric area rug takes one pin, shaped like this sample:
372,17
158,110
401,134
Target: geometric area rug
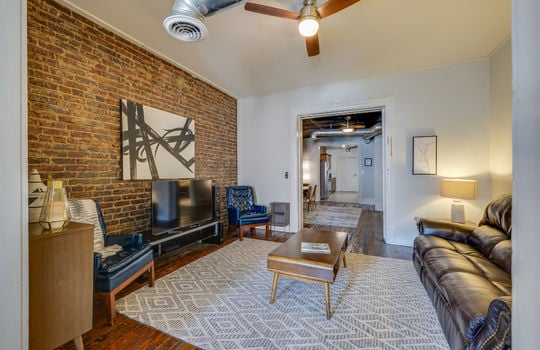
333,216
221,301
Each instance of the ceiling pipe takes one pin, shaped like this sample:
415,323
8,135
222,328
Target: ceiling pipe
366,134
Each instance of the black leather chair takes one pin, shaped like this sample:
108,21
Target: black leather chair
118,259
243,212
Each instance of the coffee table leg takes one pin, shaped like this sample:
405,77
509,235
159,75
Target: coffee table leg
274,286
327,298
344,260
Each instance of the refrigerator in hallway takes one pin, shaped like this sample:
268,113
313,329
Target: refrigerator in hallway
325,179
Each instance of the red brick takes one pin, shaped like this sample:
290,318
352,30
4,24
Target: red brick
77,74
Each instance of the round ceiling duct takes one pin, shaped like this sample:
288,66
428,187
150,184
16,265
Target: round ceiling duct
185,28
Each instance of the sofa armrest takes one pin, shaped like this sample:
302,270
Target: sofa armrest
233,213
496,331
127,241
98,260
259,208
444,228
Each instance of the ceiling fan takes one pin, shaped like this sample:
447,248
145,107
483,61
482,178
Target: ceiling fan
348,128
308,18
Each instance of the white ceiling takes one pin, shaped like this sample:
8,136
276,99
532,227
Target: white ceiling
247,54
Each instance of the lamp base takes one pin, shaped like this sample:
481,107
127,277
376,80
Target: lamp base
458,213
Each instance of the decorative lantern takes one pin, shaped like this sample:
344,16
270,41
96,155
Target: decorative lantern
55,213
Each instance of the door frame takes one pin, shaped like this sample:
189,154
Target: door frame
297,115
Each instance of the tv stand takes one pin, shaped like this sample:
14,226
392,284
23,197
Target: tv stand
169,240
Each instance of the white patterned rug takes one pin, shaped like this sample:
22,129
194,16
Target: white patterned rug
221,301
333,216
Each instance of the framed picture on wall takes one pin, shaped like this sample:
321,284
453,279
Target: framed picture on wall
368,161
424,155
156,144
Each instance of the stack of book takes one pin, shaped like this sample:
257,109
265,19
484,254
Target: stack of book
311,247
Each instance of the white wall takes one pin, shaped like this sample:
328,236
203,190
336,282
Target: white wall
526,182
500,91
13,178
451,102
345,168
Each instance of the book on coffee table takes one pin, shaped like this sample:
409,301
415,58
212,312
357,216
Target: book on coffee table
311,247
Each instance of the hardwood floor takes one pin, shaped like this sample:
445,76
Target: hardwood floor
129,334
367,237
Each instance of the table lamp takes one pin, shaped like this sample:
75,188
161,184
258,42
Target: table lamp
55,213
458,189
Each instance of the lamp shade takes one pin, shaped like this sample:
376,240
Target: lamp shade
458,188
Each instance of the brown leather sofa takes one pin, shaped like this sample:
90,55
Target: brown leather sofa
466,271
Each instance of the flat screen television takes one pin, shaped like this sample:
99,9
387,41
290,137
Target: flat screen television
180,204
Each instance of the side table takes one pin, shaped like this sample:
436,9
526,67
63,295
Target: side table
61,285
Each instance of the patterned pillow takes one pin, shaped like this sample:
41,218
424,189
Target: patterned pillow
85,211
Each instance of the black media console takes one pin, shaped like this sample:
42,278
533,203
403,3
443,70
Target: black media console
172,239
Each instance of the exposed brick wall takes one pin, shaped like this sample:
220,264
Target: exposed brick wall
77,74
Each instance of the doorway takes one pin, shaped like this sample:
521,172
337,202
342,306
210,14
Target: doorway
357,164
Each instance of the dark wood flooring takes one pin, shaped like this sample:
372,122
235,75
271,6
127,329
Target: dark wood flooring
127,334
367,237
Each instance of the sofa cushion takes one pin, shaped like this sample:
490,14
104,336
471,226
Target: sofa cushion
425,243
498,214
501,255
469,296
484,238
441,261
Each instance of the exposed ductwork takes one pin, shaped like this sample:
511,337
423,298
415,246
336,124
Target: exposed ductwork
366,134
186,20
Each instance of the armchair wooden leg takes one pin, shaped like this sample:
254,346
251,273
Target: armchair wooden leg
110,307
267,230
240,233
110,296
152,275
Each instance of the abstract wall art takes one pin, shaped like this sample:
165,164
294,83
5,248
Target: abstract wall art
156,144
424,155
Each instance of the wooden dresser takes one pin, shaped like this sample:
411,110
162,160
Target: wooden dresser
61,285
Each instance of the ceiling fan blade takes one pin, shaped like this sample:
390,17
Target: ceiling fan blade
312,45
332,6
270,11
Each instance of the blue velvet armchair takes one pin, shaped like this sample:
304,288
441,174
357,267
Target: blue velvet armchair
118,259
243,212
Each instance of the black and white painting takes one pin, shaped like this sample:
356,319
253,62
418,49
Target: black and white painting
156,144
424,155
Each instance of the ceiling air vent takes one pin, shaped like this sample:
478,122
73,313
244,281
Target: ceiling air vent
185,28
185,22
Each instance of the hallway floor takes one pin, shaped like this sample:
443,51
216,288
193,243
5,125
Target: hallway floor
343,196
367,237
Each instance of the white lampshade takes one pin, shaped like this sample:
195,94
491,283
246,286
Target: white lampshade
308,26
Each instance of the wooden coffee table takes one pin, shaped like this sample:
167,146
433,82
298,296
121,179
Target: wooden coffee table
288,260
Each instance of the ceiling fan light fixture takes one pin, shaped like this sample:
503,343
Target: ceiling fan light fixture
308,20
308,25
347,129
